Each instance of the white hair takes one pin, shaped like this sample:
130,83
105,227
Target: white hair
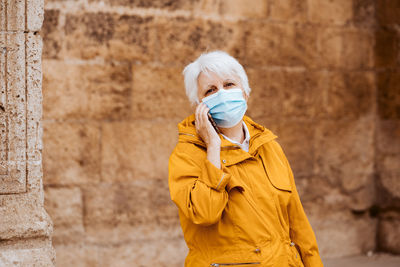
218,62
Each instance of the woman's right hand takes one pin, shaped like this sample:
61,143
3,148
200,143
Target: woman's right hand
205,129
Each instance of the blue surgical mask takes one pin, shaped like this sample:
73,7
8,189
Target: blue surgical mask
227,107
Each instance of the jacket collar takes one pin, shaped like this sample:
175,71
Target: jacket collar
259,135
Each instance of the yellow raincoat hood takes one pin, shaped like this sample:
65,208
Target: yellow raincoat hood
248,213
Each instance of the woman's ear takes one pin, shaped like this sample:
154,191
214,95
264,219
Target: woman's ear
246,96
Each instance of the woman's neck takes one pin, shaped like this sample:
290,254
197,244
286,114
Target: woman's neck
235,133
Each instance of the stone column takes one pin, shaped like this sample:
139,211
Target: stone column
25,227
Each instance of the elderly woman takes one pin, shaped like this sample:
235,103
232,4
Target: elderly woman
237,199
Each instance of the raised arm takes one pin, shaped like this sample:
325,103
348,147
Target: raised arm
197,189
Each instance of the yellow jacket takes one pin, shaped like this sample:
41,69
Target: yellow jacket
248,213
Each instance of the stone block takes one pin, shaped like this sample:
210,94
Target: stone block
118,213
34,97
158,92
209,7
348,95
110,36
97,91
338,12
285,45
165,211
345,152
244,9
65,207
388,137
300,154
123,233
159,4
41,254
182,40
13,113
387,47
137,150
145,253
71,153
52,35
22,217
80,255
388,95
279,93
118,203
364,13
346,48
388,12
389,187
389,232
34,14
288,10
341,233
14,15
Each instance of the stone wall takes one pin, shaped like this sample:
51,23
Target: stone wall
387,58
113,94
25,227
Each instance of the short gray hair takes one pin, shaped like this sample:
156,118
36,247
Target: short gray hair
218,62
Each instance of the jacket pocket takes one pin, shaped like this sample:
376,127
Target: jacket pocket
277,174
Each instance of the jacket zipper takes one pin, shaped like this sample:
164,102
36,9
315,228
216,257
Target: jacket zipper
232,264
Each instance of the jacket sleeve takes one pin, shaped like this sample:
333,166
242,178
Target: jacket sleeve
197,190
301,232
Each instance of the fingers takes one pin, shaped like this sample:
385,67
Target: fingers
201,115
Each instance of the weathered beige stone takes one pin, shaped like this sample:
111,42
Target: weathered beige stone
288,10
364,13
387,43
161,4
111,36
159,92
388,95
71,153
340,233
78,255
297,140
280,93
346,48
99,91
141,202
34,97
14,15
388,12
27,220
388,137
137,150
389,232
182,40
268,44
147,252
209,7
65,207
244,9
344,152
346,95
34,14
387,163
52,36
28,256
330,12
14,113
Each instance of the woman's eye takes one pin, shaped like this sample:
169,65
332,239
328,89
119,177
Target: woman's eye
229,84
209,91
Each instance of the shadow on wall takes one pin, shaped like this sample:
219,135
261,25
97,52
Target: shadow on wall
324,78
